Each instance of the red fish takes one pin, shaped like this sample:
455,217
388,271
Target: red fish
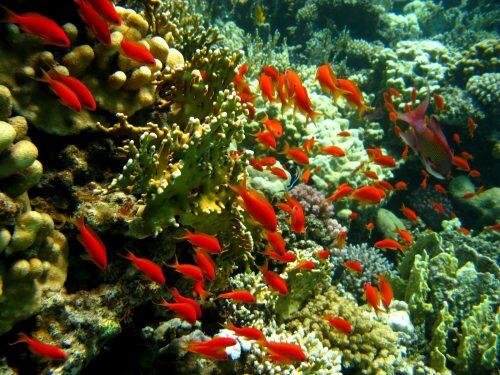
323,254
78,87
423,184
279,172
37,347
271,71
386,293
181,299
472,126
354,96
401,185
438,207
439,102
274,280
306,175
188,270
257,206
328,81
413,96
342,191
148,267
388,243
344,133
203,240
273,126
277,242
474,173
41,26
466,155
370,226
456,138
353,215
137,52
384,185
205,262
286,257
405,152
297,219
409,213
67,96
199,289
469,195
256,164
212,349
183,310
267,88
440,189
308,144
284,352
372,297
241,296
93,244
292,80
493,227
371,174
405,235
393,116
334,151
341,325
267,161
106,10
305,265
385,161
427,140
368,195
266,139
394,92
461,163
303,103
353,266
249,333
296,154
96,24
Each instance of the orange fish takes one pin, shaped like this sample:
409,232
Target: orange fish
474,173
96,24
405,235
271,71
341,325
328,82
394,92
438,207
371,174
296,154
405,152
439,101
388,243
286,257
493,227
67,96
181,299
353,96
41,26
137,52
266,139
306,175
267,88
468,195
334,151
353,215
423,184
440,189
257,206
472,126
385,161
407,107
276,241
93,244
198,288
284,352
78,87
353,266
456,138
205,241
386,293
212,349
401,185
464,231
273,280
241,296
393,116
368,195
273,126
297,219
188,270
460,163
279,172
384,185
342,191
205,262
256,164
148,267
106,10
323,254
370,226
372,297
409,213
183,310
267,161
303,103
249,333
292,80
308,144
466,155
305,265
37,347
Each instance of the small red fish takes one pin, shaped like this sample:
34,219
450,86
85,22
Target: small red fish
181,299
283,352
371,174
334,151
323,254
460,163
423,184
405,235
148,267
474,173
372,297
305,265
249,333
93,244
273,126
438,207
205,241
405,152
296,154
401,185
39,25
256,164
212,349
353,216
279,172
96,24
106,10
308,144
78,87
267,88
271,71
353,96
199,289
407,107
469,195
385,161
183,310
287,257
388,243
67,96
137,52
456,138
188,270
393,116
413,96
386,293
267,161
303,103
353,266
472,126
439,101
205,262
440,189
257,206
493,227
344,133
342,191
464,231
37,347
370,226
368,195
266,139
292,80
305,176
297,217
341,325
281,90
384,185
409,213
241,296
394,92
277,242
466,155
273,280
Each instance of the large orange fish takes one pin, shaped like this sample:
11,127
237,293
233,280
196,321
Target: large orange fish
137,52
203,240
249,333
386,293
328,81
341,325
267,88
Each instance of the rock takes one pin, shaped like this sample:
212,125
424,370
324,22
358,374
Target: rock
387,222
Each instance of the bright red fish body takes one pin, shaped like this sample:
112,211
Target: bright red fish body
274,280
78,87
184,311
242,296
372,297
286,352
95,22
203,240
148,267
137,52
353,266
386,292
368,195
93,244
341,325
181,299
205,262
246,332
266,86
39,348
39,25
67,96
277,242
388,243
106,10
188,270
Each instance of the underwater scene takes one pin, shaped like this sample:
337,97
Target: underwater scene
249,187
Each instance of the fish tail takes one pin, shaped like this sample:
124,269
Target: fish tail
129,255
11,17
313,116
241,187
23,337
185,235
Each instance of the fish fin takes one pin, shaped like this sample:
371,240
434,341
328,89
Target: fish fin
416,117
11,17
23,337
130,256
313,116
241,187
